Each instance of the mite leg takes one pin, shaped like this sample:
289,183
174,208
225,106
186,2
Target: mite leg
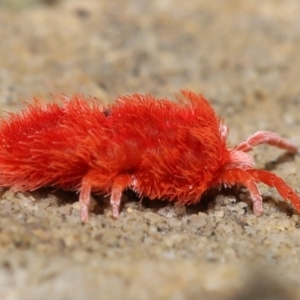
272,180
115,201
241,177
120,184
266,137
223,130
84,200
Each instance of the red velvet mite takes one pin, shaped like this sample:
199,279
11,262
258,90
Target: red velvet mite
158,148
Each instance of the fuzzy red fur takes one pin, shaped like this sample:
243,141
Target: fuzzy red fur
158,148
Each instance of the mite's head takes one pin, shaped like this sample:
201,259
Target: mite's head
240,159
237,158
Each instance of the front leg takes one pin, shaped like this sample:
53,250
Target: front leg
281,186
266,137
238,176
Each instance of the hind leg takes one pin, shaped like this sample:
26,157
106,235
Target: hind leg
84,200
121,182
266,137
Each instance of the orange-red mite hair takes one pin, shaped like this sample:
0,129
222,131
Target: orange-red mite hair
158,148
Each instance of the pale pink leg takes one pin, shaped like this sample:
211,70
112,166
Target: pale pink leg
115,201
120,184
84,200
239,176
223,130
283,189
266,137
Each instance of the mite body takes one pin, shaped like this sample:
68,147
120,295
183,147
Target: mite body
158,148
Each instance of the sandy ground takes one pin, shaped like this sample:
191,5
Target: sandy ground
244,57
